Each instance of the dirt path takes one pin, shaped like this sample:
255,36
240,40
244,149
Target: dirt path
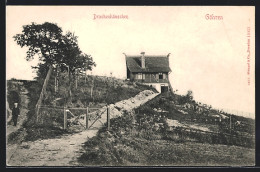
11,148
65,150
21,118
61,151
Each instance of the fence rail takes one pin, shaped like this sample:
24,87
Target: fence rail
67,117
214,137
210,132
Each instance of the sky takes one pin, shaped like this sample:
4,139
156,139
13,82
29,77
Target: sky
208,57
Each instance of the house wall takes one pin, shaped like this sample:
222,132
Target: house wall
150,78
157,86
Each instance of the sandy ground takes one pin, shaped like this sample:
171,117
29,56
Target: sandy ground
61,151
64,150
176,123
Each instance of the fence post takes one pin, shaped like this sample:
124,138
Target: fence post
65,118
108,118
37,113
87,118
39,102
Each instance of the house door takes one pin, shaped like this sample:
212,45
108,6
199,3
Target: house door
164,89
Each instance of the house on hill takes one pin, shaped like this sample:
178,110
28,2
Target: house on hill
150,70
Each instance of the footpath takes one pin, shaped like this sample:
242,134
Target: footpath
21,118
64,150
11,148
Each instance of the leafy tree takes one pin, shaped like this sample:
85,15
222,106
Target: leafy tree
73,59
53,49
72,56
43,40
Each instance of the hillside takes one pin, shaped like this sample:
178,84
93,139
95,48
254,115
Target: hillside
168,131
64,150
90,91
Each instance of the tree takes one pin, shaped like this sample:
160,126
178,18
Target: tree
53,49
73,59
72,56
43,40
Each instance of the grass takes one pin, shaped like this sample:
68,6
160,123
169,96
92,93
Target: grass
106,90
126,150
172,107
134,140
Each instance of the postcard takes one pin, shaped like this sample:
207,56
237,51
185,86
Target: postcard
130,86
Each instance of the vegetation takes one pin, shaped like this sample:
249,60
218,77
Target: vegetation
189,114
106,90
68,85
54,49
144,137
130,143
187,98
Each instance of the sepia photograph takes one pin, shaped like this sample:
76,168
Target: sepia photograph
130,86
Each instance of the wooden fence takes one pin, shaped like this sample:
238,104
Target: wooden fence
213,137
74,116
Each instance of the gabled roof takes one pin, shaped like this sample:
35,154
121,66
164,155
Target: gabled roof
152,63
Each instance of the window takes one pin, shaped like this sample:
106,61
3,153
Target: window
160,76
139,76
143,76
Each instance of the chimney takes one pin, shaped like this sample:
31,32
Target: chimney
142,60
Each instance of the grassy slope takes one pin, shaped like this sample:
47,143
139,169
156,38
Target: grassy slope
144,148
106,90
171,105
134,140
142,152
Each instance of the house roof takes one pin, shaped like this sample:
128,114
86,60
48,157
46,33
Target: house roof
152,63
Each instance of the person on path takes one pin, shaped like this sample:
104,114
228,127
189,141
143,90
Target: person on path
15,113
